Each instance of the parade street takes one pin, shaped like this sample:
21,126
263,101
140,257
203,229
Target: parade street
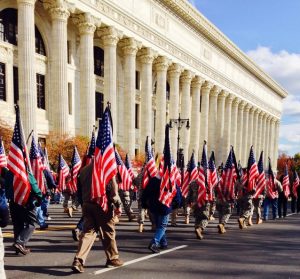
270,250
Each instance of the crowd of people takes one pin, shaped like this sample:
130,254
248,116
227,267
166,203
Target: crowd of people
102,184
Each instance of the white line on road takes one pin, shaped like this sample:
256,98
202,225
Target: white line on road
140,259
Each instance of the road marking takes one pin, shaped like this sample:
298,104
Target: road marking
140,259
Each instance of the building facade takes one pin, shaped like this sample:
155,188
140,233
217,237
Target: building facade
63,60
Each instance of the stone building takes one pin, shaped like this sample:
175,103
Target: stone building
62,60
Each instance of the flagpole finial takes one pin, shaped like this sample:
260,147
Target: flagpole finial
204,142
109,105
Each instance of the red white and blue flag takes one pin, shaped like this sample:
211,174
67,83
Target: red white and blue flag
190,174
3,160
129,167
261,179
75,168
16,163
150,169
37,165
62,173
91,150
296,183
252,171
126,182
104,166
212,177
202,178
286,182
271,191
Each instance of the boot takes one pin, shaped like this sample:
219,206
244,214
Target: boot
174,218
221,229
187,220
141,228
259,221
250,221
198,232
70,212
211,218
242,223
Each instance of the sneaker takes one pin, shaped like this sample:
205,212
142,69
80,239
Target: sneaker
21,249
49,218
76,234
114,263
77,266
154,248
43,227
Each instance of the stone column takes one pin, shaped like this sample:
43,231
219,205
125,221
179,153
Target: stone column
227,128
277,125
220,127
161,66
26,65
110,37
185,110
234,119
255,128
271,140
195,118
204,114
250,127
245,138
130,47
146,57
174,74
213,112
87,27
259,134
59,74
240,123
268,138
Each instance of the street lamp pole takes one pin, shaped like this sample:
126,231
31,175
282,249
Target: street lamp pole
179,122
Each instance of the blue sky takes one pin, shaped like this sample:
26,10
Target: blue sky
269,32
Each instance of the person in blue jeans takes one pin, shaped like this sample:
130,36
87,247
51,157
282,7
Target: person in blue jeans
159,211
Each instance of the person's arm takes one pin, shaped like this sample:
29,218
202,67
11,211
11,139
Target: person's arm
115,193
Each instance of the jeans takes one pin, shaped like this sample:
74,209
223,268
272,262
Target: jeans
161,222
40,216
45,205
267,203
80,224
282,205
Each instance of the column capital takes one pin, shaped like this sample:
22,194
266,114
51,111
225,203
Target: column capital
58,10
273,120
186,76
236,102
109,35
262,114
223,94
242,105
175,70
248,107
215,91
162,63
207,86
146,55
86,23
130,46
252,109
257,111
28,2
197,82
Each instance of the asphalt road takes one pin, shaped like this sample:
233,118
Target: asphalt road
269,250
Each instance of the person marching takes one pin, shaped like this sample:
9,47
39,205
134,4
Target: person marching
295,204
161,192
98,189
249,185
225,191
260,190
284,195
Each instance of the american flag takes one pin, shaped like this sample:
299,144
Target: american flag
212,178
91,150
37,165
150,169
261,179
271,191
286,182
105,166
75,168
129,167
190,174
252,171
62,173
16,163
126,182
296,183
3,160
161,166
229,176
178,178
202,178
168,183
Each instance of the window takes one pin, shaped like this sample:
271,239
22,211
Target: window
137,80
98,61
99,105
8,26
2,82
136,152
42,142
70,102
137,116
16,84
39,43
40,90
69,51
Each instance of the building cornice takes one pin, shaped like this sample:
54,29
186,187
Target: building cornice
198,22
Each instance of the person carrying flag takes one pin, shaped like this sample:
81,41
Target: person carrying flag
158,196
295,203
285,194
98,193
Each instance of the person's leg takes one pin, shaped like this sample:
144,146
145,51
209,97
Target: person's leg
161,227
274,208
284,204
266,208
293,204
2,271
201,219
17,218
280,204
